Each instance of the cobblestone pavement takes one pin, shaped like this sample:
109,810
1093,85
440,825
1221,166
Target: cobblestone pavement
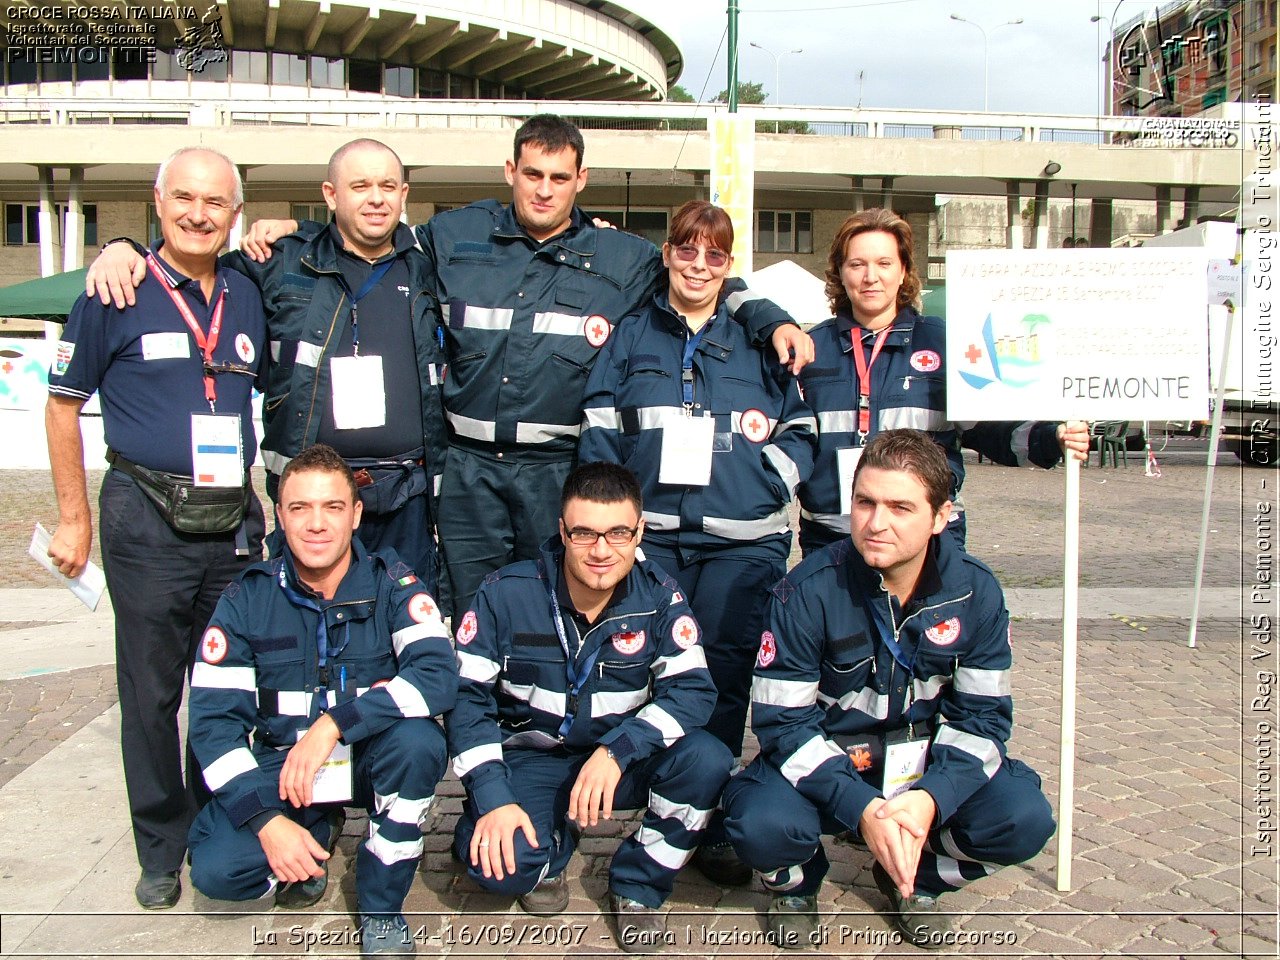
1173,855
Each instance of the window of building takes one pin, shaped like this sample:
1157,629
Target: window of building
22,223
328,72
432,84
650,224
461,88
309,211
22,71
132,64
289,68
366,76
166,67
249,66
153,224
400,81
784,231
59,71
490,90
96,66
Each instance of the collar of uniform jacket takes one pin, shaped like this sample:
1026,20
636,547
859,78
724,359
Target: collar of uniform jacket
578,238
900,334
356,586
941,560
717,327
177,280
552,563
321,253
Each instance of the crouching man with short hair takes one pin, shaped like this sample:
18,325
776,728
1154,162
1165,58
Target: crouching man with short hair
584,688
881,702
337,662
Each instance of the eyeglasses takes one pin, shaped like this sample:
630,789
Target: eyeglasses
688,252
617,537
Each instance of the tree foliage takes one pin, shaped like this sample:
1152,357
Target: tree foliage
753,93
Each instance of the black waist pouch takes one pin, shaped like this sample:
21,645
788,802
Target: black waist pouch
184,506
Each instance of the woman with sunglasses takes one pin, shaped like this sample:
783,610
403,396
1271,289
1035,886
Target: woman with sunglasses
881,365
719,436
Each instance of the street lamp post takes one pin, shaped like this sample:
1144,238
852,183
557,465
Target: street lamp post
986,60
777,74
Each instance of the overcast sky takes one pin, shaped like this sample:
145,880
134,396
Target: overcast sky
910,54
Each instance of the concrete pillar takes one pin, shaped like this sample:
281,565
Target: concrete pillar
886,193
859,195
73,223
1190,205
1100,222
44,224
1040,215
1013,215
1163,211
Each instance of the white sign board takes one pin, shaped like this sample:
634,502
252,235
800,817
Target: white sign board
1077,334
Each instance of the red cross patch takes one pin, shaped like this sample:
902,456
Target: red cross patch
926,361
422,608
597,330
628,643
244,348
685,632
754,426
768,650
467,628
213,645
945,633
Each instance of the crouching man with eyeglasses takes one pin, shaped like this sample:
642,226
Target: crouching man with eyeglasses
583,690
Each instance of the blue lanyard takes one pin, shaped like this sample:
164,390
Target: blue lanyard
576,678
375,275
691,342
886,635
323,649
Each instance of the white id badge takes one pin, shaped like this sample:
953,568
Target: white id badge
903,765
847,462
686,450
359,397
217,458
334,778
165,346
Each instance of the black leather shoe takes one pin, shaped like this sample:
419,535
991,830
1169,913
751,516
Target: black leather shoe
302,894
720,863
158,889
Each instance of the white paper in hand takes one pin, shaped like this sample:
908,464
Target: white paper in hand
87,587
334,778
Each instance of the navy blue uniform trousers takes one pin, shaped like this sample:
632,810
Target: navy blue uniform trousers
164,586
396,772
727,590
677,787
778,831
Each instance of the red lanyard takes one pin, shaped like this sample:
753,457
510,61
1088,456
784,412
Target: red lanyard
864,374
206,345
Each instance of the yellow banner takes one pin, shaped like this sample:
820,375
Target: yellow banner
733,180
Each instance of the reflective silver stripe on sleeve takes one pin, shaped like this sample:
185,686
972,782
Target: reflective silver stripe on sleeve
785,466
912,418
811,755
984,683
547,701
663,722
794,422
275,351
1020,442
293,703
978,747
481,318
836,421
651,418
229,766
928,689
865,701
661,521
472,429
739,297
308,354
605,418
839,522
559,324
468,760
690,816
419,631
543,432
784,693
274,462
407,697
692,659
479,669
223,678
611,704
776,522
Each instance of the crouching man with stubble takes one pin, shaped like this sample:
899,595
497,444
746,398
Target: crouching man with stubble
882,704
